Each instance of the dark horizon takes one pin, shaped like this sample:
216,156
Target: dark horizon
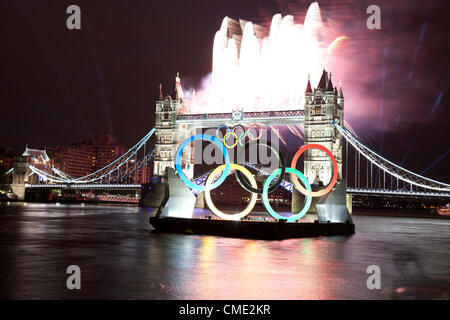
61,86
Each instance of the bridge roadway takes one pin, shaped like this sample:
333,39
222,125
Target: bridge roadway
387,192
268,118
82,186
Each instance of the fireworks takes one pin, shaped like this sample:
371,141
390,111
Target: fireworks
255,68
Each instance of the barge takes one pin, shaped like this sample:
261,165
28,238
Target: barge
176,204
250,229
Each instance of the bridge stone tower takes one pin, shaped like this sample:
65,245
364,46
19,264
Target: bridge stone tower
20,176
323,105
165,134
168,135
22,173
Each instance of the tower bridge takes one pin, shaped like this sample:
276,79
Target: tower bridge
363,170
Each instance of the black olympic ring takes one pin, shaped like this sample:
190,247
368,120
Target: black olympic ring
244,183
238,126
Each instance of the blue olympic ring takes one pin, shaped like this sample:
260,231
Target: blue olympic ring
222,126
179,154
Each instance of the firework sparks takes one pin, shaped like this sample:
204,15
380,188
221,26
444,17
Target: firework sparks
255,68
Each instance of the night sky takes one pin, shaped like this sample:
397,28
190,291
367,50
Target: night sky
59,86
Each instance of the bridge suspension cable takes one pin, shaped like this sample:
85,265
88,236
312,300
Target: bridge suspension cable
114,171
389,167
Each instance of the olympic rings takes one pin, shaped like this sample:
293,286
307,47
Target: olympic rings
235,140
265,196
222,126
335,170
179,153
211,205
242,135
244,184
246,179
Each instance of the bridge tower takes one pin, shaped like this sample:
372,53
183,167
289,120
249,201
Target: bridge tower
323,105
165,133
166,112
169,134
22,173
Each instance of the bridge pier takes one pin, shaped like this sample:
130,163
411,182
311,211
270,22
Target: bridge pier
298,200
343,199
19,177
200,202
19,191
153,194
333,206
349,199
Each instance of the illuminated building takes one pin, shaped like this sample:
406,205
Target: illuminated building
90,155
75,160
323,105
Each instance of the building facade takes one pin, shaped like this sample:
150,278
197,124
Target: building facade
165,134
323,106
86,156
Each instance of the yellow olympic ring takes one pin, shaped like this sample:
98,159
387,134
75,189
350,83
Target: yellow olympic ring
235,140
211,205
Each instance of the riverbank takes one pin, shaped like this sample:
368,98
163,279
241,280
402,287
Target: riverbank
399,213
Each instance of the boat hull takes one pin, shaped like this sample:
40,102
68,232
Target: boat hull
250,229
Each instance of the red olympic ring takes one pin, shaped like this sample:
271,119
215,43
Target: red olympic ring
333,179
260,130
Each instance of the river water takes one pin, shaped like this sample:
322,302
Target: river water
120,258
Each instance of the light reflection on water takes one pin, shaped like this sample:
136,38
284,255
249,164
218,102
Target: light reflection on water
121,258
